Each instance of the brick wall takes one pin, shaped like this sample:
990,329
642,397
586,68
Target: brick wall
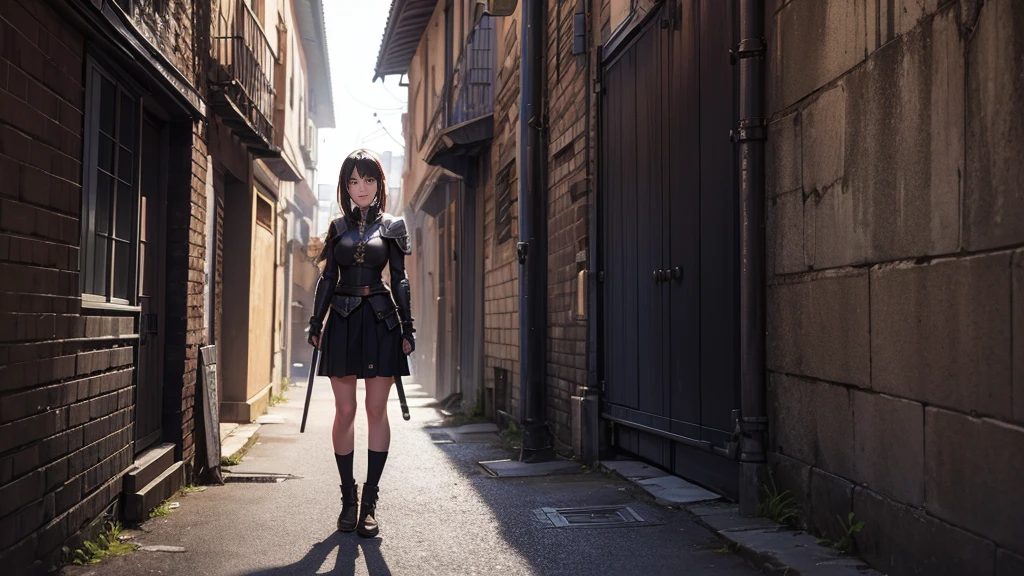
65,374
895,235
567,185
501,268
66,371
186,255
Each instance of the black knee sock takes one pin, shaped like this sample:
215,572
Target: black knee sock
345,467
374,466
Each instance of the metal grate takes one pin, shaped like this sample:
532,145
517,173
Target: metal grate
590,517
258,478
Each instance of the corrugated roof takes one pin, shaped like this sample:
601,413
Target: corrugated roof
406,23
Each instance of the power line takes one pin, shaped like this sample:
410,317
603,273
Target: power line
402,144
365,105
404,102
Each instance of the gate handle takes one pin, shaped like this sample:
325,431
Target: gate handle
657,276
677,273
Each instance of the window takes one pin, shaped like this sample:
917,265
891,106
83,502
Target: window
110,198
264,212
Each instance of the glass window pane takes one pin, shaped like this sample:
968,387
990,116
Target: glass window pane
127,136
124,219
101,258
108,105
125,166
104,193
122,269
105,154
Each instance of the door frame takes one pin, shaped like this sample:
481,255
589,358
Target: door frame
160,252
709,462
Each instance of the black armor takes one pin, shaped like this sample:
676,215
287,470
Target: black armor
357,252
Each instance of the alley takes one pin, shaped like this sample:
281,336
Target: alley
441,513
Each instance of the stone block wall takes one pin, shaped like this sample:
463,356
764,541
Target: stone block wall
895,289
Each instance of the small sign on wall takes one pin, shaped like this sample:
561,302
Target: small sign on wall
209,458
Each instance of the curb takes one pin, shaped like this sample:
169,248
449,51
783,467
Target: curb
767,546
773,548
236,444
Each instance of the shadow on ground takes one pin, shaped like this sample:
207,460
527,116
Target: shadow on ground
349,547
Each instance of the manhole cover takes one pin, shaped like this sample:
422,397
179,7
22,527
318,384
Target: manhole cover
257,477
441,438
590,517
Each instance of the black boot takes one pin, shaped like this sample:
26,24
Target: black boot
349,508
368,512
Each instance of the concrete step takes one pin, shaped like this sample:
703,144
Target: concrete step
238,442
138,504
148,466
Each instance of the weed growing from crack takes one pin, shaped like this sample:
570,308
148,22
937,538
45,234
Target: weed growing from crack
846,544
777,506
512,436
106,543
161,510
230,461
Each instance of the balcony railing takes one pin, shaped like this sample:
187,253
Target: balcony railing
242,87
468,93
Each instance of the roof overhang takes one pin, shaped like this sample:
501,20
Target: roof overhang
455,144
428,197
313,33
406,23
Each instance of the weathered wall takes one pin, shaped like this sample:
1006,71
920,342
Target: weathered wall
896,222
568,189
66,372
501,268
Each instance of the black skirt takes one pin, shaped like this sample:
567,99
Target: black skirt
361,346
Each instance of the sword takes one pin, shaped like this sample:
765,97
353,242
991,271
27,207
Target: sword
314,365
401,396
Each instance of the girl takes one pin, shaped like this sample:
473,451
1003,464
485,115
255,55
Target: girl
368,332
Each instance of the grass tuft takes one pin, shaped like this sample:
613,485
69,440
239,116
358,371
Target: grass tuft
106,543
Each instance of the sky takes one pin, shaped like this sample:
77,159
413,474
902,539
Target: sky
354,32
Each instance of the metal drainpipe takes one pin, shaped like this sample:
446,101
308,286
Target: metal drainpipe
532,247
751,135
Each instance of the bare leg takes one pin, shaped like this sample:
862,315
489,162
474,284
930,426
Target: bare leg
379,429
344,433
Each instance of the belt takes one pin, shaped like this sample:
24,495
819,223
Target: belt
347,290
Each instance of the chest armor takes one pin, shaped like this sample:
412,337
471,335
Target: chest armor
361,256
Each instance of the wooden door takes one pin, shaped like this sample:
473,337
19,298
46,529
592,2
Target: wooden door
152,248
669,259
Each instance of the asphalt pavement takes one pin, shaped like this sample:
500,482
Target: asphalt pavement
440,512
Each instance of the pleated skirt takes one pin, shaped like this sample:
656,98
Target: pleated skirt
361,346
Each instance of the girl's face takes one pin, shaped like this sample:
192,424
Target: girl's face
362,190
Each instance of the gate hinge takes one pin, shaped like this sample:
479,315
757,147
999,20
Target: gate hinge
748,48
750,129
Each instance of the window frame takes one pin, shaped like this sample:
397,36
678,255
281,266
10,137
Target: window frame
90,178
639,13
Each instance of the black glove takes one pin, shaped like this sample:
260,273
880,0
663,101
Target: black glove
315,327
408,335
